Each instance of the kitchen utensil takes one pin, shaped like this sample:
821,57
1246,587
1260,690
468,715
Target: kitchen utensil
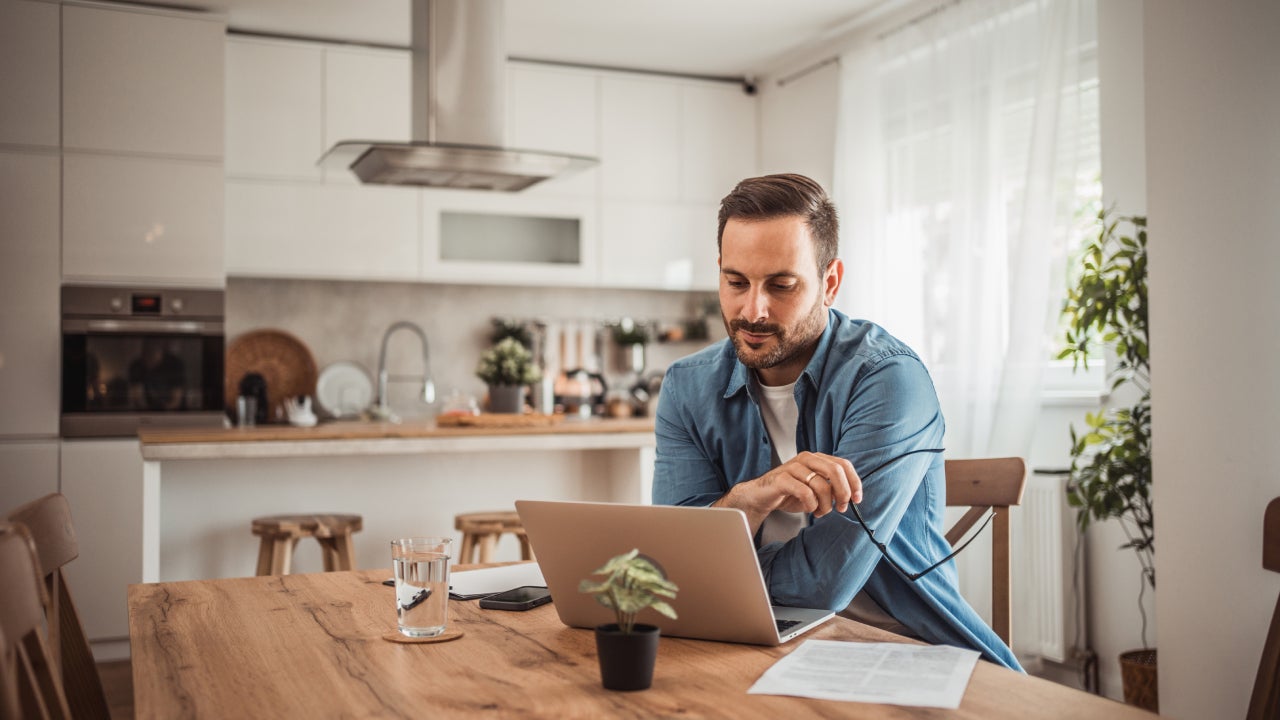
344,389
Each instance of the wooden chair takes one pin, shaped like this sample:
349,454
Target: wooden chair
481,530
28,671
989,484
1265,703
280,535
49,522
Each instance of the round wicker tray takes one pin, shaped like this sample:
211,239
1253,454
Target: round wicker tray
281,359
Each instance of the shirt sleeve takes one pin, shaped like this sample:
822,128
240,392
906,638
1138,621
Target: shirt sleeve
682,472
887,430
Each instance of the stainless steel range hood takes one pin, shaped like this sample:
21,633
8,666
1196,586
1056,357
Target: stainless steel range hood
458,111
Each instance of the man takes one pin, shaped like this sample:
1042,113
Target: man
802,412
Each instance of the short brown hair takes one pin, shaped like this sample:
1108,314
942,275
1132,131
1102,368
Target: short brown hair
774,196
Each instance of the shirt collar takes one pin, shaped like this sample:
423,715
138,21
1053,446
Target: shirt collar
738,379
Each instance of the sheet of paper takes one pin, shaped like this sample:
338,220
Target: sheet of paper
469,584
890,673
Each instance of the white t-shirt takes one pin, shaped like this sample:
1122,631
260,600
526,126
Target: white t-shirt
780,413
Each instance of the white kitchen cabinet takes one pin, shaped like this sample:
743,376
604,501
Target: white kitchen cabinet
102,480
718,140
28,471
138,219
275,108
639,139
29,73
322,231
366,97
142,80
508,239
667,246
555,110
29,279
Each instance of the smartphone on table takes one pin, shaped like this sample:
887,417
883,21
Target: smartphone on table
521,598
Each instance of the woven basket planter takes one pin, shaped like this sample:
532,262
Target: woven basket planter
1138,672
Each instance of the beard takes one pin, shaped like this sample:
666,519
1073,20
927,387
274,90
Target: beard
789,342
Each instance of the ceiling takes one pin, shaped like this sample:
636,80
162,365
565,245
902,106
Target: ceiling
711,37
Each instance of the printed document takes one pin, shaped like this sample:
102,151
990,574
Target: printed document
471,584
890,673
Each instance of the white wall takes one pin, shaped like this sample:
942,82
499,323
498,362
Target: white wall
1213,179
798,125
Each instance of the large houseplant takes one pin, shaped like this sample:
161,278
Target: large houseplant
507,367
1106,307
626,650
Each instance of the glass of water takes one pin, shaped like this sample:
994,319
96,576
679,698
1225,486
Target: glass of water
421,567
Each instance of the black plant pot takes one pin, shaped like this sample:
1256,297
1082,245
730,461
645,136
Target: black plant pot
626,660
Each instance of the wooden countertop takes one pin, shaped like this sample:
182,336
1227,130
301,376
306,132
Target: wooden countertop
357,437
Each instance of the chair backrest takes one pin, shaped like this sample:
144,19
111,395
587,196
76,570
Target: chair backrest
986,484
49,522
1265,702
33,688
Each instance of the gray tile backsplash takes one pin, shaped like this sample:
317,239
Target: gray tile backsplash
345,321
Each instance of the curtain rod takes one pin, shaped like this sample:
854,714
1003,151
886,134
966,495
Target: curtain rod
747,83
834,59
917,19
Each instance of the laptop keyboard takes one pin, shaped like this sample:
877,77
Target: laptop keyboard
785,625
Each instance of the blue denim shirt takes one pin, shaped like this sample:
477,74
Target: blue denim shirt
864,396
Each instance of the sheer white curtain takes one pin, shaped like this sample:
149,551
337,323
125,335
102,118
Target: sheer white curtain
967,146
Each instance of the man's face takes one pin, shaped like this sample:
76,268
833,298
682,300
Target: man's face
772,298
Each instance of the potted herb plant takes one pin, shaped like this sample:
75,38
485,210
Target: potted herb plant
1111,461
631,338
507,368
626,650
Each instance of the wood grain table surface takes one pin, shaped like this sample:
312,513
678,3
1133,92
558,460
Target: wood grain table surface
311,646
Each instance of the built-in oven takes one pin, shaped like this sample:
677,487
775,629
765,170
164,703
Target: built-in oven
134,357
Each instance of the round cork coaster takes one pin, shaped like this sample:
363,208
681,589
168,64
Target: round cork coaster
448,635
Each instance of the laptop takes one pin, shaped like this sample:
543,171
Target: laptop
707,552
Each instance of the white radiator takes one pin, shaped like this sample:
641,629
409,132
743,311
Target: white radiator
1046,610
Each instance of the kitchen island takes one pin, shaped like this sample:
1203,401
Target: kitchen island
201,487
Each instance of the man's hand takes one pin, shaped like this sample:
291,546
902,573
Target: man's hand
809,482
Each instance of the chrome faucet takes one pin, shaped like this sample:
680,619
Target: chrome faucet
428,387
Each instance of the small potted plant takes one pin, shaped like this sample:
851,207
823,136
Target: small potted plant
627,651
631,338
507,368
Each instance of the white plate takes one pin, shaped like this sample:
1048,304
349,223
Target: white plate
344,389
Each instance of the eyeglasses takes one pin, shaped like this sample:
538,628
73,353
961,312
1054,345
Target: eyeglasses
884,550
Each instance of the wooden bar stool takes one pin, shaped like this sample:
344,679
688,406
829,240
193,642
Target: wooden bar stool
482,529
280,535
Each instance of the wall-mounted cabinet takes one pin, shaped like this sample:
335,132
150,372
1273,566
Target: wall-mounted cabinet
275,101
137,219
29,69
142,81
515,239
29,262
366,97
555,110
322,231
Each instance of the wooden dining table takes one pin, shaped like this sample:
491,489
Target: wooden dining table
312,646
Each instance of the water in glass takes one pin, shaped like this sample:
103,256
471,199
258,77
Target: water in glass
422,586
